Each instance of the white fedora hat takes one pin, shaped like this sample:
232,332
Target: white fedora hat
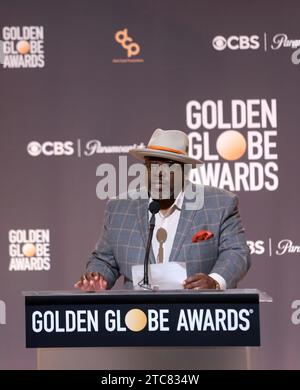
168,144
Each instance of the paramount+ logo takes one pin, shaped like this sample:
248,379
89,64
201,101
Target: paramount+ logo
236,42
295,318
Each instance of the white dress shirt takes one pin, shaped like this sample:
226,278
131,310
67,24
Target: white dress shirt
169,222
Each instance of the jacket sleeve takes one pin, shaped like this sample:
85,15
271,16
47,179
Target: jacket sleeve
102,259
233,256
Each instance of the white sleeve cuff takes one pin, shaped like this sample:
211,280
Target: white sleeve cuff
218,278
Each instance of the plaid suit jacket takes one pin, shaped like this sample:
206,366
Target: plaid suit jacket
125,230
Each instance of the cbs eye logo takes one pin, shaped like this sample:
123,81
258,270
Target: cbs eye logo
127,43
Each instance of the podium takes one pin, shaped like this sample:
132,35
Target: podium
130,329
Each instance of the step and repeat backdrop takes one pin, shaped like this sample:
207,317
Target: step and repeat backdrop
82,82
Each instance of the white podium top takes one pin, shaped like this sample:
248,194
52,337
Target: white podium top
263,296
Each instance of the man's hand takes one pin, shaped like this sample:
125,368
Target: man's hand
200,282
91,281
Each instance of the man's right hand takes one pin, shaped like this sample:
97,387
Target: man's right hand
91,281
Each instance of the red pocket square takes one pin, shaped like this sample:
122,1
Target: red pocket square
202,235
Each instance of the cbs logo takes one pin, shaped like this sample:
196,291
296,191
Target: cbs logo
127,43
56,148
256,247
234,42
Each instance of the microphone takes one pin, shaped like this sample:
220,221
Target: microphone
154,209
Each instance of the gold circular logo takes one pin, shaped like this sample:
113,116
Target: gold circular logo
135,320
231,145
23,47
29,250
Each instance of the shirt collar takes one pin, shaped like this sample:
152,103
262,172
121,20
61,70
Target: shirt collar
177,203
179,200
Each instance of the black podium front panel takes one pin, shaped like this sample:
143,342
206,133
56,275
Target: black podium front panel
142,318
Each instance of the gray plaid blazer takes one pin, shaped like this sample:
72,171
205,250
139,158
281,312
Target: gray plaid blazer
124,235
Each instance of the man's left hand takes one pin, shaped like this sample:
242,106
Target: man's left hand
200,282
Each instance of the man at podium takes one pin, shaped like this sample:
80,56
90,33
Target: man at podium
205,237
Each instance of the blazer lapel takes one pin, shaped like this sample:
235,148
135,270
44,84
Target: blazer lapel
143,222
183,228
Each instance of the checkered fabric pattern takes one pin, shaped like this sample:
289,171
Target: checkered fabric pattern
125,230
